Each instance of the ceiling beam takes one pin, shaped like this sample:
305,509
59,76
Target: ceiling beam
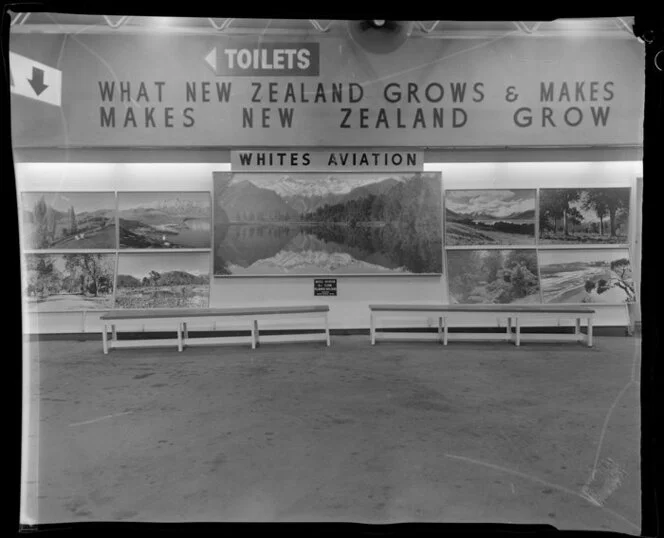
220,27
430,29
116,23
318,26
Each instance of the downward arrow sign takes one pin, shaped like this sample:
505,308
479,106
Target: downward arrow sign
37,80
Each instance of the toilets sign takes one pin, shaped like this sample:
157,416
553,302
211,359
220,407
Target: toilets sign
265,59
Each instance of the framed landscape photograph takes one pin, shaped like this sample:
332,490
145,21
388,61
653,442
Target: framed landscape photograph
494,276
587,276
318,223
584,215
68,220
164,219
163,280
490,217
69,282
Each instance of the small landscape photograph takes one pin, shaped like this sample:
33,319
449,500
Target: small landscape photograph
490,217
163,280
584,216
587,276
69,282
493,276
68,220
164,219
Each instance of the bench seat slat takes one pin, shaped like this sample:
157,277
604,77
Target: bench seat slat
212,312
534,309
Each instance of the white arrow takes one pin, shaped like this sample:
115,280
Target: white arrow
211,59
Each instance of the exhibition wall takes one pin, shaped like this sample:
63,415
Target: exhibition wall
500,213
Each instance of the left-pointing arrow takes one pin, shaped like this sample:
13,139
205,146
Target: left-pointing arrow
37,80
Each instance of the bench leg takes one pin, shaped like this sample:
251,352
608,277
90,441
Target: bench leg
253,335
186,331
104,341
444,331
327,330
440,330
373,329
518,331
257,336
114,334
179,336
577,330
509,329
590,332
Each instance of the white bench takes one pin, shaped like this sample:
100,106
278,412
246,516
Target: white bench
511,314
181,317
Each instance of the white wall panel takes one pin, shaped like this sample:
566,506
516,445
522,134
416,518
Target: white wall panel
348,310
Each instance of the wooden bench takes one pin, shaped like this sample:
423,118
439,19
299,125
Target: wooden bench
509,313
181,317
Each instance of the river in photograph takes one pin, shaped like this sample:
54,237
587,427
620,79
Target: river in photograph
315,248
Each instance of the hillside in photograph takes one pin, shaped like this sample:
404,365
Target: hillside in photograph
164,220
69,282
493,276
584,215
485,217
68,220
162,281
584,276
349,223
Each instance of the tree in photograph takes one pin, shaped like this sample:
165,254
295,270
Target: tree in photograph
607,201
574,217
555,203
493,263
153,278
50,223
593,200
39,214
565,198
44,278
617,200
465,271
91,267
73,226
623,271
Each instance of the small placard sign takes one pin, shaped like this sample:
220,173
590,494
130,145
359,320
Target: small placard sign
325,286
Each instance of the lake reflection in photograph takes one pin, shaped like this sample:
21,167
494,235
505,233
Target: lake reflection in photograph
270,224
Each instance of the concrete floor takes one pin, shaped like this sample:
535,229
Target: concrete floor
398,432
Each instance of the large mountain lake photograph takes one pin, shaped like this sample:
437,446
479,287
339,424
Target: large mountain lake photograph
346,223
68,220
164,219
490,217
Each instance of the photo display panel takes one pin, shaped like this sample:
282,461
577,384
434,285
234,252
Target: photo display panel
69,282
490,217
164,220
163,280
587,276
321,223
68,220
584,216
493,276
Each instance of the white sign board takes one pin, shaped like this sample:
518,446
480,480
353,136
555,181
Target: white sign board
371,160
35,80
